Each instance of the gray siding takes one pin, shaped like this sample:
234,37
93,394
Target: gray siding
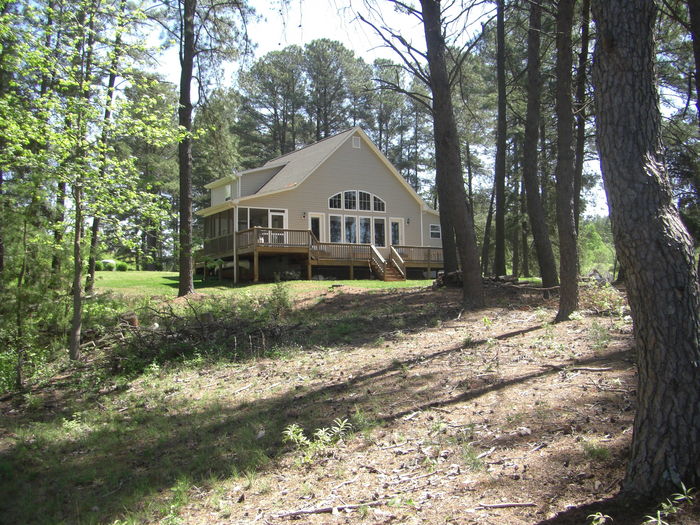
350,169
252,182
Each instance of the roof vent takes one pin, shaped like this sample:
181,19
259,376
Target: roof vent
356,142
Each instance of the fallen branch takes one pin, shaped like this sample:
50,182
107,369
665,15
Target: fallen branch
243,388
505,505
590,369
329,510
487,453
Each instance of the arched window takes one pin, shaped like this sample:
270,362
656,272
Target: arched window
336,202
379,204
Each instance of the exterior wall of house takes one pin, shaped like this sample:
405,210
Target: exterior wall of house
431,219
220,194
252,182
349,169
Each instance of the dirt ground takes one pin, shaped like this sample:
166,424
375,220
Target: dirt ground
495,416
491,417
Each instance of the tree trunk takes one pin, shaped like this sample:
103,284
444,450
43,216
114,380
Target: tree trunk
499,259
580,108
448,170
111,82
654,248
185,149
449,246
523,233
77,290
568,253
694,15
535,207
486,245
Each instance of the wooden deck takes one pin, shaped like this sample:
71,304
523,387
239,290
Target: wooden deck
256,242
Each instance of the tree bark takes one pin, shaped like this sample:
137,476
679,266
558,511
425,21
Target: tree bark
186,285
77,290
580,109
654,248
448,169
486,245
499,259
535,208
564,173
523,233
694,15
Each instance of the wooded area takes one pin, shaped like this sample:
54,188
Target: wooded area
498,118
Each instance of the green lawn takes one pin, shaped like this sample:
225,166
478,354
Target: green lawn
148,284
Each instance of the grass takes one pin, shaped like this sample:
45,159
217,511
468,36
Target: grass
148,284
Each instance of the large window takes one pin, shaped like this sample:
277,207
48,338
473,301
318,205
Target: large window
356,200
336,228
379,232
350,229
365,230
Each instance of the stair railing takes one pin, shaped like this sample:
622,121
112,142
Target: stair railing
397,261
377,262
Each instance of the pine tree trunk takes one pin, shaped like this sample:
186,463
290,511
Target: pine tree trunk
568,252
654,249
448,170
581,109
694,15
499,259
535,208
486,245
185,149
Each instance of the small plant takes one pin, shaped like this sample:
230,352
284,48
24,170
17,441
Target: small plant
595,451
322,437
657,519
487,322
279,302
99,266
122,266
600,335
598,519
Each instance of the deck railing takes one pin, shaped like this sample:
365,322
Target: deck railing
340,251
397,261
273,238
420,254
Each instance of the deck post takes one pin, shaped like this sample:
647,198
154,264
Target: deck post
256,268
429,260
308,267
352,264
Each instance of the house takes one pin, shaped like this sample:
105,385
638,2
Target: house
335,208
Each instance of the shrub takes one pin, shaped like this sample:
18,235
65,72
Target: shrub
122,266
99,266
108,266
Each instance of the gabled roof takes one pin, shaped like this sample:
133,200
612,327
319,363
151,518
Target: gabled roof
298,165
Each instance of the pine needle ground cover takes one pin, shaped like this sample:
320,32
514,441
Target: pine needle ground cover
361,406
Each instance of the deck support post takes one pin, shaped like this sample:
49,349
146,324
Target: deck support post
308,268
429,260
256,267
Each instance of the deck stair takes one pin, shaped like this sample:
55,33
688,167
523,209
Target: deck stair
392,274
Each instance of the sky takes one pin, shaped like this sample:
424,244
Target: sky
282,23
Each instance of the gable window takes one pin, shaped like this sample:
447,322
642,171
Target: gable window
350,200
435,231
356,142
336,228
379,204
364,200
335,202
